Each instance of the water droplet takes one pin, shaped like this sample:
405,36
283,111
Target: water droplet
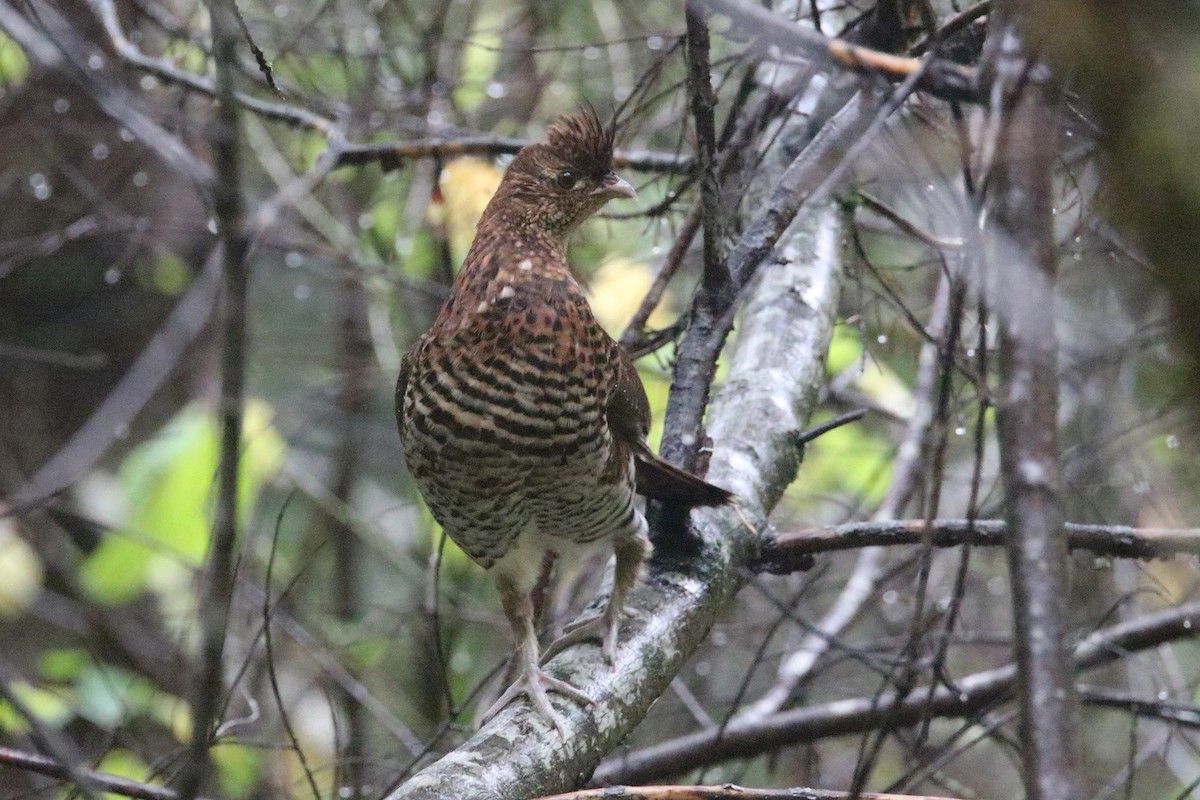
890,597
1163,694
100,151
1172,442
970,352
655,250
719,638
112,275
95,61
365,220
688,439
140,179
882,338
655,42
1187,624
293,259
703,668
496,90
148,82
591,52
960,431
126,135
40,186
211,225
302,291
62,105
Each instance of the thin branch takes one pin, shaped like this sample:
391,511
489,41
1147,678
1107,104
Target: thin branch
41,765
1114,541
1025,99
57,46
164,70
392,154
716,282
970,695
219,588
48,738
939,77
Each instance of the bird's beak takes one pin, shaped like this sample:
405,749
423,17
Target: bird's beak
616,186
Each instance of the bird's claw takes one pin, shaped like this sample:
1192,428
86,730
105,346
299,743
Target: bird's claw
604,627
535,685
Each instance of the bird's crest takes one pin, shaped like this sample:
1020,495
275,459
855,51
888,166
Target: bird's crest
583,140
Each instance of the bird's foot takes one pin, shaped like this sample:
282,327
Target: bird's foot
534,683
603,627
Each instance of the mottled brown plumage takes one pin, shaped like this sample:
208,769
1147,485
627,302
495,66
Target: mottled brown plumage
523,422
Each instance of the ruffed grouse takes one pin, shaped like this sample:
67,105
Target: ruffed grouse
523,423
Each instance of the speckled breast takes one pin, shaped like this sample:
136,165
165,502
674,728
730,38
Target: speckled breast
503,423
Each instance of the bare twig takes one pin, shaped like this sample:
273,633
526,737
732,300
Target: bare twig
1113,541
391,154
218,594
1024,109
716,283
970,695
939,77
106,12
48,738
863,582
41,765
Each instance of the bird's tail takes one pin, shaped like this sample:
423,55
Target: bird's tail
658,480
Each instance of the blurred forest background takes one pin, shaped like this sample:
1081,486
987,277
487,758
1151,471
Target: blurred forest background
359,643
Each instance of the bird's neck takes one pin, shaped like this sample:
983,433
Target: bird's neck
522,248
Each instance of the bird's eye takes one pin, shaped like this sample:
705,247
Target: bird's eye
565,179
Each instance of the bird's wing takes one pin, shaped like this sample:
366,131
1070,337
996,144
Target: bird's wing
629,422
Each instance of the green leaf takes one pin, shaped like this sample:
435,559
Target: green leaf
64,664
170,483
480,58
14,66
238,769
22,571
48,706
126,764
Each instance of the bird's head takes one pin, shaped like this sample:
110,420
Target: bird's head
555,185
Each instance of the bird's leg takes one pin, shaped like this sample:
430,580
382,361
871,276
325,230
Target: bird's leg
631,553
531,680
